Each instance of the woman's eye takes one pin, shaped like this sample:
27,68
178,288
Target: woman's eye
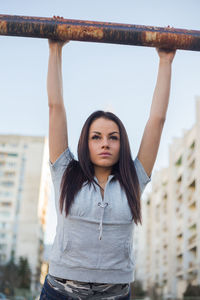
95,137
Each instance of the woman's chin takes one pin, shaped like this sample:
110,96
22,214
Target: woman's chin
104,165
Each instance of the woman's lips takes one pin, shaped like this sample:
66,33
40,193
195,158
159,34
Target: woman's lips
105,154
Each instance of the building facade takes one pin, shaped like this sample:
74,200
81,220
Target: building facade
171,213
24,193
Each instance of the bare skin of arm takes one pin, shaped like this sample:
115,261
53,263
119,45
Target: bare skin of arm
152,133
58,137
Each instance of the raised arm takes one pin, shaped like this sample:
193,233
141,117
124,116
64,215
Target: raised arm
58,137
151,137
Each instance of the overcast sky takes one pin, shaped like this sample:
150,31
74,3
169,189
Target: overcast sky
98,76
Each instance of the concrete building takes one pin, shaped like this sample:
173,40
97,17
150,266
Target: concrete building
171,214
24,192
45,263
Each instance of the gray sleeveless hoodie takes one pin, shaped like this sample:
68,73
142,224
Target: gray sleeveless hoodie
94,243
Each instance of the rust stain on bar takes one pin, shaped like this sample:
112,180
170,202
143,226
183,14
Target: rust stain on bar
80,33
101,32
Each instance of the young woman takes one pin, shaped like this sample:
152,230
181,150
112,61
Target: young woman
98,196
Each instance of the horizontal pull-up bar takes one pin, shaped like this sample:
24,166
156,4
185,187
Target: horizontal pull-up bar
101,32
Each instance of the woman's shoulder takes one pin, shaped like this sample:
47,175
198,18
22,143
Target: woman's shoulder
57,168
143,178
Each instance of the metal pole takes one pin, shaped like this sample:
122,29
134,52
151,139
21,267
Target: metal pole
101,32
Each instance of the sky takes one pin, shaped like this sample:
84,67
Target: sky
96,76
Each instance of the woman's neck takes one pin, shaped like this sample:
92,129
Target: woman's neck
102,174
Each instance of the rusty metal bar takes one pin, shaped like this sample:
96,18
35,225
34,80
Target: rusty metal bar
101,32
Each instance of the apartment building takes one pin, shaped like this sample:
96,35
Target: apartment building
24,192
171,213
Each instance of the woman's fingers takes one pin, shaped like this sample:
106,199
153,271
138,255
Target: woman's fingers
165,51
58,18
166,54
59,43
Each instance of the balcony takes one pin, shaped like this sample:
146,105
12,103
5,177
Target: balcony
179,172
178,162
179,271
179,228
164,226
180,237
192,265
191,200
192,185
2,163
192,229
179,192
192,219
9,173
165,241
179,211
165,275
192,241
191,155
179,249
164,194
191,148
192,269
191,177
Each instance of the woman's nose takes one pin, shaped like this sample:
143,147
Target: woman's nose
105,143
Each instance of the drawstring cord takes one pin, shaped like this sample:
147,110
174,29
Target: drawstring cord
102,205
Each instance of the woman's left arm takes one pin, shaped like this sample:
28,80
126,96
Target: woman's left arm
152,133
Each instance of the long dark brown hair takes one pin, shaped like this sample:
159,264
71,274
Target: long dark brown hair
82,171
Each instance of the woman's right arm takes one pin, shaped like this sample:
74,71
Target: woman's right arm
58,137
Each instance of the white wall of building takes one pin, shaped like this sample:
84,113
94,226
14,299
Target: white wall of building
24,192
170,236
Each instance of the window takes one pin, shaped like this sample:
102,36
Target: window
2,258
3,247
5,204
179,161
2,225
12,154
14,145
2,154
192,145
7,183
5,213
5,194
11,164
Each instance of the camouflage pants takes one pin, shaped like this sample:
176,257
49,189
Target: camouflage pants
49,292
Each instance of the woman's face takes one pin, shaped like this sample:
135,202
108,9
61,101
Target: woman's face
104,142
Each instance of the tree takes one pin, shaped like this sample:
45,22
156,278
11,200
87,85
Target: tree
152,292
137,290
24,273
9,276
14,275
191,290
